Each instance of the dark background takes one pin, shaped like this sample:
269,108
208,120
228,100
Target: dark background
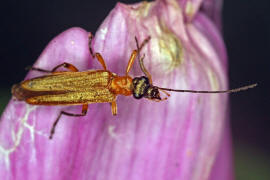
27,27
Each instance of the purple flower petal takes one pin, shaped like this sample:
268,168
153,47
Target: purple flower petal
174,139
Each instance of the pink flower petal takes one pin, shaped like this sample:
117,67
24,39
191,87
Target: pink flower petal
211,8
174,139
190,7
25,150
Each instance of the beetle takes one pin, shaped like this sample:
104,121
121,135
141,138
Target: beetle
93,86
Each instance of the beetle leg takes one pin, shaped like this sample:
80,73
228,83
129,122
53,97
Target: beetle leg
30,68
131,61
114,108
134,55
165,92
101,61
97,55
163,99
144,70
146,40
84,111
90,37
148,75
65,65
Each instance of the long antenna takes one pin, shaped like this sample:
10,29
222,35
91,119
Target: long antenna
225,91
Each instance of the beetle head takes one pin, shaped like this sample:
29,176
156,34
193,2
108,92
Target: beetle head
142,88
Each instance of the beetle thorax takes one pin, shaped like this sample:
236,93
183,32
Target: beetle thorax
122,85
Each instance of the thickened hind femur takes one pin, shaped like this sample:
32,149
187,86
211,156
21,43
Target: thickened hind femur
140,87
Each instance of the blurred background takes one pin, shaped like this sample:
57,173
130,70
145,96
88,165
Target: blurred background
27,27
